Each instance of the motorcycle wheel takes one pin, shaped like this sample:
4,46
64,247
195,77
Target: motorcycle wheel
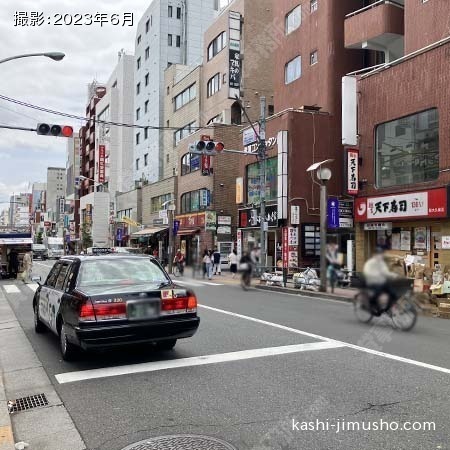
403,315
362,307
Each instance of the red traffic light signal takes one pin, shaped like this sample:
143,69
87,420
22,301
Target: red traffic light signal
46,129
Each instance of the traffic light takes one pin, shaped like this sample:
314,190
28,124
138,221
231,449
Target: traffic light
47,129
206,148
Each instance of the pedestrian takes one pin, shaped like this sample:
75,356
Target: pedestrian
13,264
233,262
27,265
207,264
179,261
216,262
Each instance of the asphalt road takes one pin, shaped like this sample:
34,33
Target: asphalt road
260,399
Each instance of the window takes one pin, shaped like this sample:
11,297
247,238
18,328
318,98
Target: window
313,58
147,26
170,12
293,70
213,85
62,276
138,63
138,136
53,275
216,119
138,113
168,90
183,132
167,158
407,150
314,5
169,40
178,13
185,97
190,163
271,110
293,19
146,133
137,163
217,45
146,79
195,200
147,52
178,41
146,107
138,88
146,159
138,39
156,203
253,181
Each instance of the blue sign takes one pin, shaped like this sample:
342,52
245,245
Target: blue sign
176,226
119,234
333,212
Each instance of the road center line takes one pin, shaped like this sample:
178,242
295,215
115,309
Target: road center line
70,377
11,289
342,343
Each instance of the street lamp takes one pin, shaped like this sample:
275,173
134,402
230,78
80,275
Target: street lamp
56,56
323,175
82,177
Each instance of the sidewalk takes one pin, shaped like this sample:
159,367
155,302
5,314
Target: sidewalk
46,427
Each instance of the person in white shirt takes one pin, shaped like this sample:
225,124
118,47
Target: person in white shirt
207,264
233,262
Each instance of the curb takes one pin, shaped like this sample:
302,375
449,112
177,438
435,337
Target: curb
310,294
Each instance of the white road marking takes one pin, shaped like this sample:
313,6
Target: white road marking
195,283
326,339
70,377
11,289
33,286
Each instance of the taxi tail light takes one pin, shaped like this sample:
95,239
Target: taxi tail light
104,311
179,305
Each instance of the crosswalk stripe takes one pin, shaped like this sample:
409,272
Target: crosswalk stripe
195,283
33,286
11,289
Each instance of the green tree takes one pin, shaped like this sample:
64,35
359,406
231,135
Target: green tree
39,238
86,237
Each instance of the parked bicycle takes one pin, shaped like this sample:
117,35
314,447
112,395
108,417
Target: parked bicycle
370,303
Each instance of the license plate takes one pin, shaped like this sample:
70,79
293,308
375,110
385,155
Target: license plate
141,310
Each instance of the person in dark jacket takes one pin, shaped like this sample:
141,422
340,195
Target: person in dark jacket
216,262
13,264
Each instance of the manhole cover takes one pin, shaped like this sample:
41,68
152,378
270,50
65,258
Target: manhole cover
181,442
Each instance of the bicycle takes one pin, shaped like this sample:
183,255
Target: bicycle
402,311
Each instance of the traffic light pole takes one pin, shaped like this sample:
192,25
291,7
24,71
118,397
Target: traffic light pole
262,184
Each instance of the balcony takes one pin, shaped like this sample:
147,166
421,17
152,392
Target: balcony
379,26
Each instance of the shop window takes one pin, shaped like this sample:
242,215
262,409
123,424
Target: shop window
253,178
407,150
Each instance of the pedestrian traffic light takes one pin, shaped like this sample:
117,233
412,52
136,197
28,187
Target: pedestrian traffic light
206,148
47,129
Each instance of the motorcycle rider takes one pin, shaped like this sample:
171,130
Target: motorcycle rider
377,276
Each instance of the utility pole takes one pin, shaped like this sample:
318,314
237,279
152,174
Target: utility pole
262,175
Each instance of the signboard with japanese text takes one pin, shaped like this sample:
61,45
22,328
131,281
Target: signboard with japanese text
239,244
375,226
206,165
333,212
432,203
210,221
285,248
101,163
249,136
251,217
223,229
191,220
352,171
234,55
295,215
445,242
223,220
293,236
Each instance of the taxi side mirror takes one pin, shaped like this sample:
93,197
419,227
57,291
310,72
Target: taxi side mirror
36,279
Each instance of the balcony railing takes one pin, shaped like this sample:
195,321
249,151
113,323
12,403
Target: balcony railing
374,5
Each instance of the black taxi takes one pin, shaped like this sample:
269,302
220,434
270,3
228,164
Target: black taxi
94,302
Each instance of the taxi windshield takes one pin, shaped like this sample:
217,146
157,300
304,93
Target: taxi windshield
120,271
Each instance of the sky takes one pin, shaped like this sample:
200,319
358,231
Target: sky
91,53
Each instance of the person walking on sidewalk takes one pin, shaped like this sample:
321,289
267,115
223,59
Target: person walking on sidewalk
233,262
27,265
207,263
216,262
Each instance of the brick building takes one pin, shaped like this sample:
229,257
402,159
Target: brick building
403,134
309,60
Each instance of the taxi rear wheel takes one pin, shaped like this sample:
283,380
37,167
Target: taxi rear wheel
69,351
166,345
39,327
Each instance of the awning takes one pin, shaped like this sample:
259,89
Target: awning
147,232
188,231
16,241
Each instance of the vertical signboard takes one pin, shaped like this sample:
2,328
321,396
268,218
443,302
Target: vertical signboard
239,190
282,193
352,171
206,165
285,247
295,215
234,60
349,111
333,212
101,163
239,244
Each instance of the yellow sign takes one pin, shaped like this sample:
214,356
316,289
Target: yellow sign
130,221
239,190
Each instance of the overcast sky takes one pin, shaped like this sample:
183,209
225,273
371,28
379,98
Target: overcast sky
91,53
